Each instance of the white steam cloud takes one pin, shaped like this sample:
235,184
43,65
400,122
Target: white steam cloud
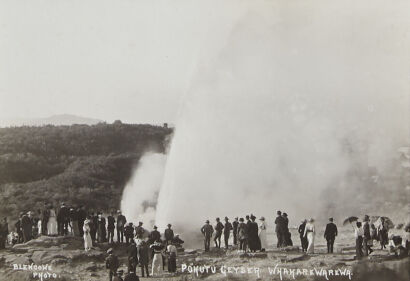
265,124
141,193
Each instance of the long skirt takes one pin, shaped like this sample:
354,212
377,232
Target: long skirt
311,242
172,263
76,230
88,243
262,238
157,264
52,226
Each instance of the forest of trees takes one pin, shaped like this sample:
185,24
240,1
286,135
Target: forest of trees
77,164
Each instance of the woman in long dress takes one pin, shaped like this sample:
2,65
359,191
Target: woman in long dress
88,242
310,235
157,262
52,223
262,234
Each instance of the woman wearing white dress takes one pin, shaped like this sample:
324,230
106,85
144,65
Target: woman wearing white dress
87,236
157,263
310,235
262,234
52,223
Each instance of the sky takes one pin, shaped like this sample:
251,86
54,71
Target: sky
129,60
135,60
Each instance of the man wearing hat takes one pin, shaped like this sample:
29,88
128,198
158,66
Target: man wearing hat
218,233
242,235
169,234
111,263
207,230
367,240
63,217
132,256
155,236
330,235
111,227
235,224
139,230
19,229
121,221
227,231
129,232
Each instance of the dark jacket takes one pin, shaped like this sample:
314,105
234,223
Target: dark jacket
242,231
366,231
142,251
112,263
280,224
207,230
169,234
129,231
330,231
154,236
235,226
111,222
121,221
219,227
227,228
301,229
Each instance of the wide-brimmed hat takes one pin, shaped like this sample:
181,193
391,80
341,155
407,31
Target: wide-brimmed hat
155,227
241,219
311,220
284,214
262,218
120,271
86,221
140,223
118,211
253,217
110,251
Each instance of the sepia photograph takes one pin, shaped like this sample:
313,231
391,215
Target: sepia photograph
205,140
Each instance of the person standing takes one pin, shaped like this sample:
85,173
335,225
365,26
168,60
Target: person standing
111,263
88,243
207,230
383,234
172,258
157,261
19,228
218,233
93,227
82,216
111,227
280,225
74,222
139,230
358,234
253,237
310,235
242,235
4,232
367,237
121,221
262,235
227,231
101,228
235,224
132,254
169,234
330,235
143,257
52,227
154,236
27,226
303,239
45,214
63,218
129,233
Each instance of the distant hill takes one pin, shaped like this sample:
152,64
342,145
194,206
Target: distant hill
57,120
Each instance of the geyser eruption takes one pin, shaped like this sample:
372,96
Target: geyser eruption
263,125
141,193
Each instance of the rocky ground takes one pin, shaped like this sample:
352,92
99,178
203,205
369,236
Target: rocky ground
63,258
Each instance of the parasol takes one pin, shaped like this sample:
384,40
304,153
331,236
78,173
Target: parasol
350,220
387,221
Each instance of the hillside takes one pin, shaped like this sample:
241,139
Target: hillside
56,120
78,164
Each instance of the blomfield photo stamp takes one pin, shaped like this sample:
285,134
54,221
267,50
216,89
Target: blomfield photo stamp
204,140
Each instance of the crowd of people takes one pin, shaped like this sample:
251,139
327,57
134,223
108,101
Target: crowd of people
249,236
160,250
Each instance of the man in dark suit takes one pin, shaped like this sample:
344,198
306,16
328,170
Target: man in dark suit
207,230
330,235
303,239
279,229
45,215
218,233
235,224
366,236
227,231
121,221
169,234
